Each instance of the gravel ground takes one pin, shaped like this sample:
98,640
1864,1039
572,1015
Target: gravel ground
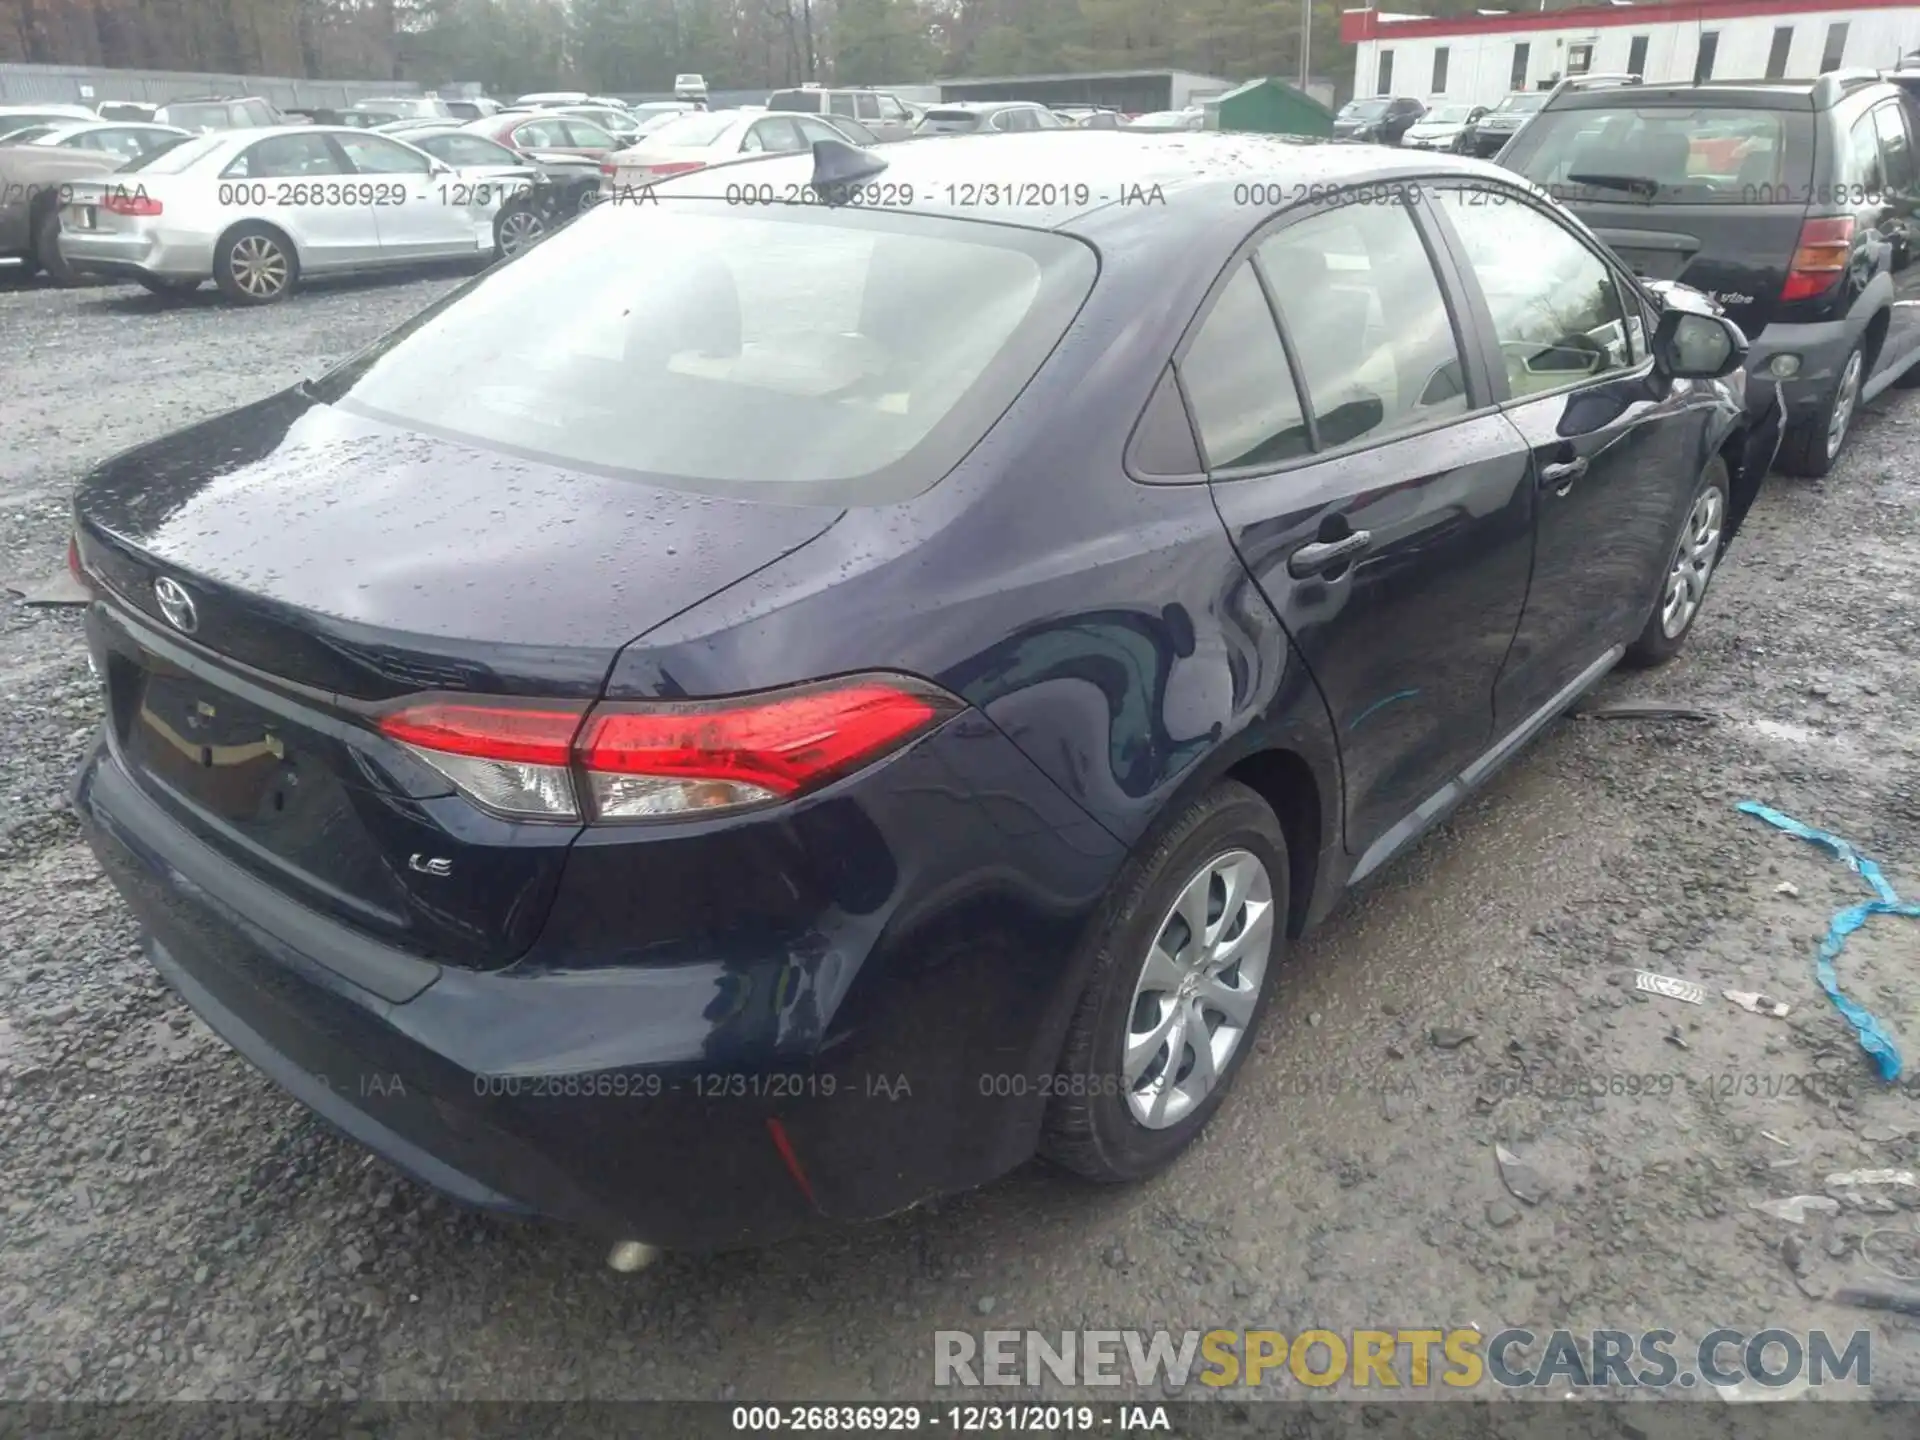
172,1226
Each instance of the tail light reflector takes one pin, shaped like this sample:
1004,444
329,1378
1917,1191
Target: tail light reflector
74,567
671,167
1820,259
119,203
639,761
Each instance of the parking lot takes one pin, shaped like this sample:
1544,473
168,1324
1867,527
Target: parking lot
173,1226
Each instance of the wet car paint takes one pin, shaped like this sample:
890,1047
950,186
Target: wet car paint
921,922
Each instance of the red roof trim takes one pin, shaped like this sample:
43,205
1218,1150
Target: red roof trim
1359,25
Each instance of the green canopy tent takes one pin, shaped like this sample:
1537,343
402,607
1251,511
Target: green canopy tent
1268,107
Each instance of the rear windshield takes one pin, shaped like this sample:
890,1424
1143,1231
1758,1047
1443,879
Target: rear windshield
950,122
696,127
1364,109
807,101
1521,104
1667,154
176,158
1447,114
192,117
806,355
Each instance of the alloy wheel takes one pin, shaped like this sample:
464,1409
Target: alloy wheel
259,266
518,230
1693,561
1846,399
1198,987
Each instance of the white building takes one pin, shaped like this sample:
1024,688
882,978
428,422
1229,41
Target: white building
1481,57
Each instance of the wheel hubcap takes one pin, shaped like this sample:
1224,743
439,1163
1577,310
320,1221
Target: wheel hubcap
259,267
1197,989
1845,397
520,230
1693,562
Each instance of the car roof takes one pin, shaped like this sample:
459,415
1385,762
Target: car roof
1801,94
1114,174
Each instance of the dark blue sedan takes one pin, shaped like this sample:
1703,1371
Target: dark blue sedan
825,679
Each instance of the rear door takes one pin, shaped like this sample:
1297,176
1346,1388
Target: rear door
1712,195
421,215
1614,452
1374,492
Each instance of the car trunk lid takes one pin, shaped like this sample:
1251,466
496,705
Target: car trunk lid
277,578
1738,255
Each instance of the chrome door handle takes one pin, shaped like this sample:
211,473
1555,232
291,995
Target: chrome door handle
1561,476
1324,555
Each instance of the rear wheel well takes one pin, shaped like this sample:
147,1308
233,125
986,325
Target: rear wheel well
1871,340
1284,781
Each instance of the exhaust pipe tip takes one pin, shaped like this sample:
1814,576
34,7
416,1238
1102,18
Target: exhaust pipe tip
629,1257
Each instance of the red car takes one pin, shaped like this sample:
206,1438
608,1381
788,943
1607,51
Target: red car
546,132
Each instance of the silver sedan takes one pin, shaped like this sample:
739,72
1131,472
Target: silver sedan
256,210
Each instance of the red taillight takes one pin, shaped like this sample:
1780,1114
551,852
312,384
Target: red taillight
671,167
646,760
1820,259
607,167
520,735
74,567
118,202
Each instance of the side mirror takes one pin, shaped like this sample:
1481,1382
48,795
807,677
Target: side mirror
1692,346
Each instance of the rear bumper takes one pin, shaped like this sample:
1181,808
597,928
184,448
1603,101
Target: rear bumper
131,254
689,1105
1822,349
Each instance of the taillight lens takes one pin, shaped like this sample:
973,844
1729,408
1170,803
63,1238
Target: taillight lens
118,203
641,761
671,167
74,567
1820,259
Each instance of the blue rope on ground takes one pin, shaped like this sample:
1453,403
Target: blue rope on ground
1874,1038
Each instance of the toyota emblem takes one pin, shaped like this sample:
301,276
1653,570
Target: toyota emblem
176,604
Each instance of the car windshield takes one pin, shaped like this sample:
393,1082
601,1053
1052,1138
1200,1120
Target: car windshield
692,128
175,158
1446,115
1678,156
1364,109
856,351
1521,104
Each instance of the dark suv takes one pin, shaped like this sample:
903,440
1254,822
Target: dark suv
1792,203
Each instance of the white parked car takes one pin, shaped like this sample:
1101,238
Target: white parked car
709,137
256,210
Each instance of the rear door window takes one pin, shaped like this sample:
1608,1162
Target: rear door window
1364,309
377,155
540,135
1668,154
1238,384
840,103
1896,148
1865,179
585,135
866,106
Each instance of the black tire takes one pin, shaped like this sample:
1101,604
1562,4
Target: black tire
253,242
172,289
1095,1133
46,249
1806,450
1655,646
